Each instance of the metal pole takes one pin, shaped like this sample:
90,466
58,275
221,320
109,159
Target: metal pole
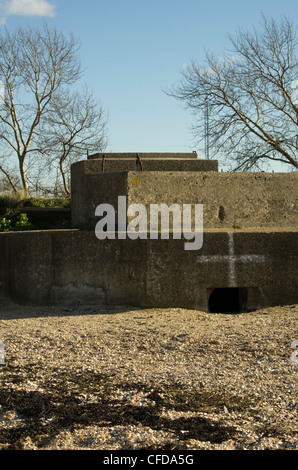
207,129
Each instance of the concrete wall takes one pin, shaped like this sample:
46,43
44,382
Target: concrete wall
46,267
88,189
260,260
230,200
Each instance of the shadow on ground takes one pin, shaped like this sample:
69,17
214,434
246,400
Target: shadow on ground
44,414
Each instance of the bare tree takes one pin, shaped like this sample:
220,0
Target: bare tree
250,95
35,67
9,179
75,125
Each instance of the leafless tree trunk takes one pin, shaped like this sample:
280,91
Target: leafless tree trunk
76,123
252,103
35,67
9,178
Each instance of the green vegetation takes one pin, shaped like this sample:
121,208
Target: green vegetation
21,223
13,216
10,199
5,225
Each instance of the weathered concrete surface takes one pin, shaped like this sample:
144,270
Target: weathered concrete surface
88,189
258,261
143,156
115,165
231,200
35,266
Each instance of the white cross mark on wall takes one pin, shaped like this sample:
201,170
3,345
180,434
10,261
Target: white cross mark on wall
232,259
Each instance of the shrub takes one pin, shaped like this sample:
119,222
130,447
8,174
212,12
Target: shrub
5,225
22,223
45,202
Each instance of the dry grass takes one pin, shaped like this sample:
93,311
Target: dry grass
11,198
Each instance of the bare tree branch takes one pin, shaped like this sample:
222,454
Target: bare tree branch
35,66
252,116
9,178
74,124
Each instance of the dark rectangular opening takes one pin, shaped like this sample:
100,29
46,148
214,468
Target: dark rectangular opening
227,300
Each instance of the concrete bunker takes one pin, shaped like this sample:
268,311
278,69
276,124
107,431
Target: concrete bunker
248,259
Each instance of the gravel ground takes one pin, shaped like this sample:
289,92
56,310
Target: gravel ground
155,379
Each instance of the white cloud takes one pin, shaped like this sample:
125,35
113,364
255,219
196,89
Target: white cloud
27,7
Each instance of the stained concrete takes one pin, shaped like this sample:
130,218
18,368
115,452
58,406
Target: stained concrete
151,273
249,250
115,165
231,200
145,156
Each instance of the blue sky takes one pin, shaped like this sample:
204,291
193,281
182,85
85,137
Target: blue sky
132,50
